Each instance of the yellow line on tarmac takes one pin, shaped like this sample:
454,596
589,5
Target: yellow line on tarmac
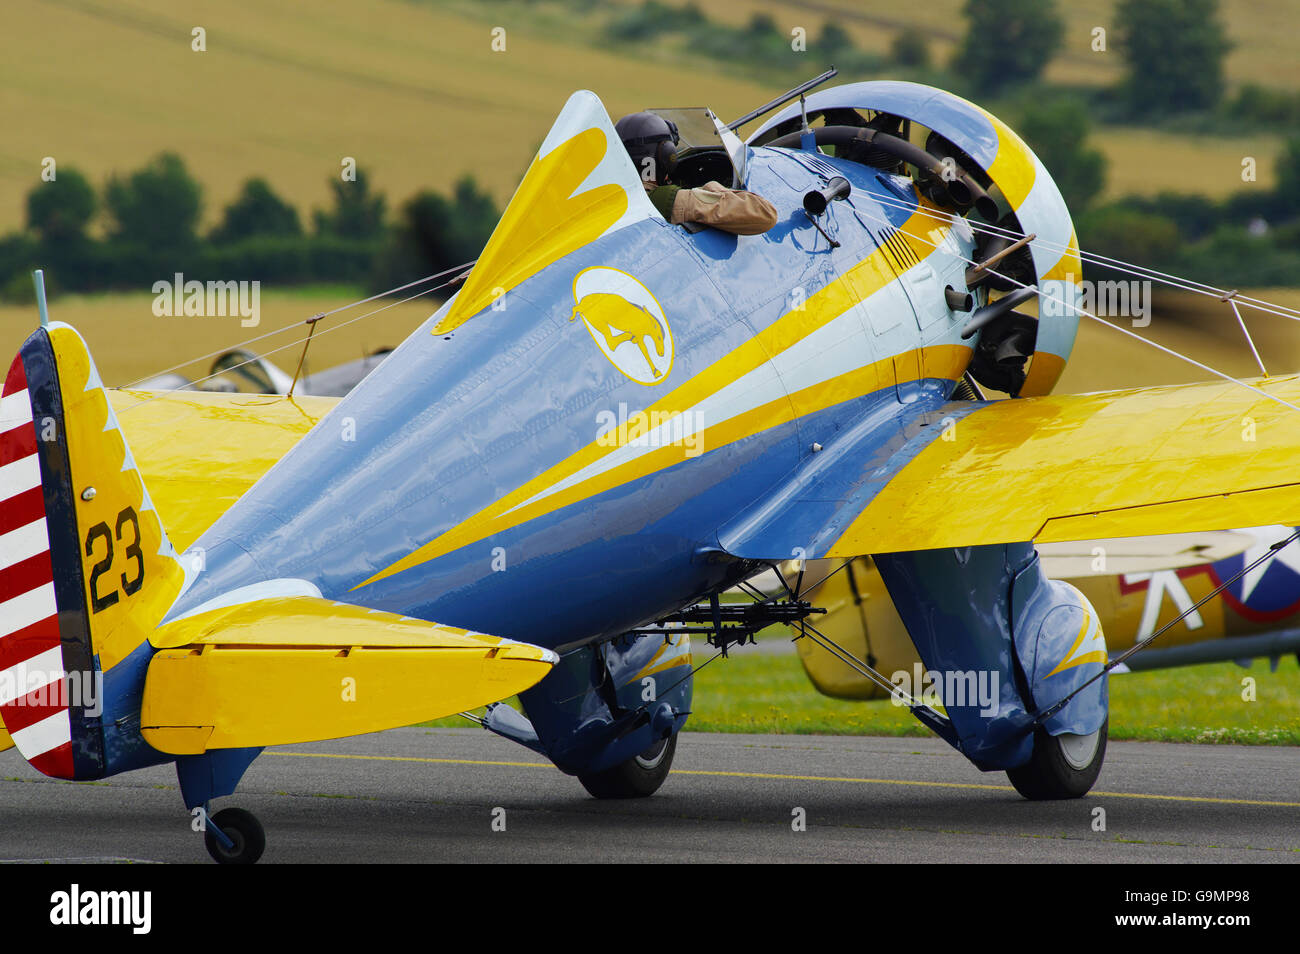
409,758
804,778
1199,798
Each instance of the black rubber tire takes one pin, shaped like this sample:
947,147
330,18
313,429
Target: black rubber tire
638,777
244,830
1049,775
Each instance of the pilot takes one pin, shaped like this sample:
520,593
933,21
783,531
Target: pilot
652,141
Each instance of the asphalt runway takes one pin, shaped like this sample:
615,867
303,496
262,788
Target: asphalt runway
432,795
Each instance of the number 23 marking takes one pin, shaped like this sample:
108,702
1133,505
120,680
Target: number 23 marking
133,552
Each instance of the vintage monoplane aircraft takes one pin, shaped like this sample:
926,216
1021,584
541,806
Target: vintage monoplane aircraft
306,569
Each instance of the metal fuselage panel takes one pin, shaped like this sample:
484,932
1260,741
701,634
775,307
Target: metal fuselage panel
450,427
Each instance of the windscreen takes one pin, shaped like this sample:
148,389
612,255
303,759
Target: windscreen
699,128
694,124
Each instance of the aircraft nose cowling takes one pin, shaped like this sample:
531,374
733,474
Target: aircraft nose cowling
988,147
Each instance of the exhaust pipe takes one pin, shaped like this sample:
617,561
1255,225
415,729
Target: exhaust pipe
816,201
984,203
958,301
997,309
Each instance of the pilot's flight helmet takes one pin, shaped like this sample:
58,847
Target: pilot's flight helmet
651,141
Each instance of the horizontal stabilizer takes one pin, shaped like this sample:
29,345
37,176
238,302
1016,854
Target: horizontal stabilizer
301,669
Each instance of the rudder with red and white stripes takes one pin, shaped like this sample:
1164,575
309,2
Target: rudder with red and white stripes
33,697
86,570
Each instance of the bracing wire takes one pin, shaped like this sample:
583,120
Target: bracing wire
1144,643
1086,313
1115,264
299,341
457,270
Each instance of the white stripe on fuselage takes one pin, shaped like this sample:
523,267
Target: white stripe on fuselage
843,345
27,608
39,671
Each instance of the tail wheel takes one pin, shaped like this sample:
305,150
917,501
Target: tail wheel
638,777
244,830
1062,766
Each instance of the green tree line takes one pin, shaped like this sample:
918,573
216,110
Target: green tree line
151,218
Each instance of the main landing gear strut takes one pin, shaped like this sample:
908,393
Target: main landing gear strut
723,625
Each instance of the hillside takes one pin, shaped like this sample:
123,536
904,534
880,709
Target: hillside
1263,31
414,91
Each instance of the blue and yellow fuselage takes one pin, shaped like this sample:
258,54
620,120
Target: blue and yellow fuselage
474,478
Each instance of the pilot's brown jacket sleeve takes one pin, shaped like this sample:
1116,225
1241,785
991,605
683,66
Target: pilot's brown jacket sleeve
731,210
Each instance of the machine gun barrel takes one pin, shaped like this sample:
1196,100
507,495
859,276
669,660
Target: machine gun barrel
783,98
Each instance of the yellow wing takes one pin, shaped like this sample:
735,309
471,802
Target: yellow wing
199,452
1082,467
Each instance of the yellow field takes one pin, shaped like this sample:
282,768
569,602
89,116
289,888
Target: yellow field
128,342
285,90
1199,327
415,93
1141,162
1264,32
